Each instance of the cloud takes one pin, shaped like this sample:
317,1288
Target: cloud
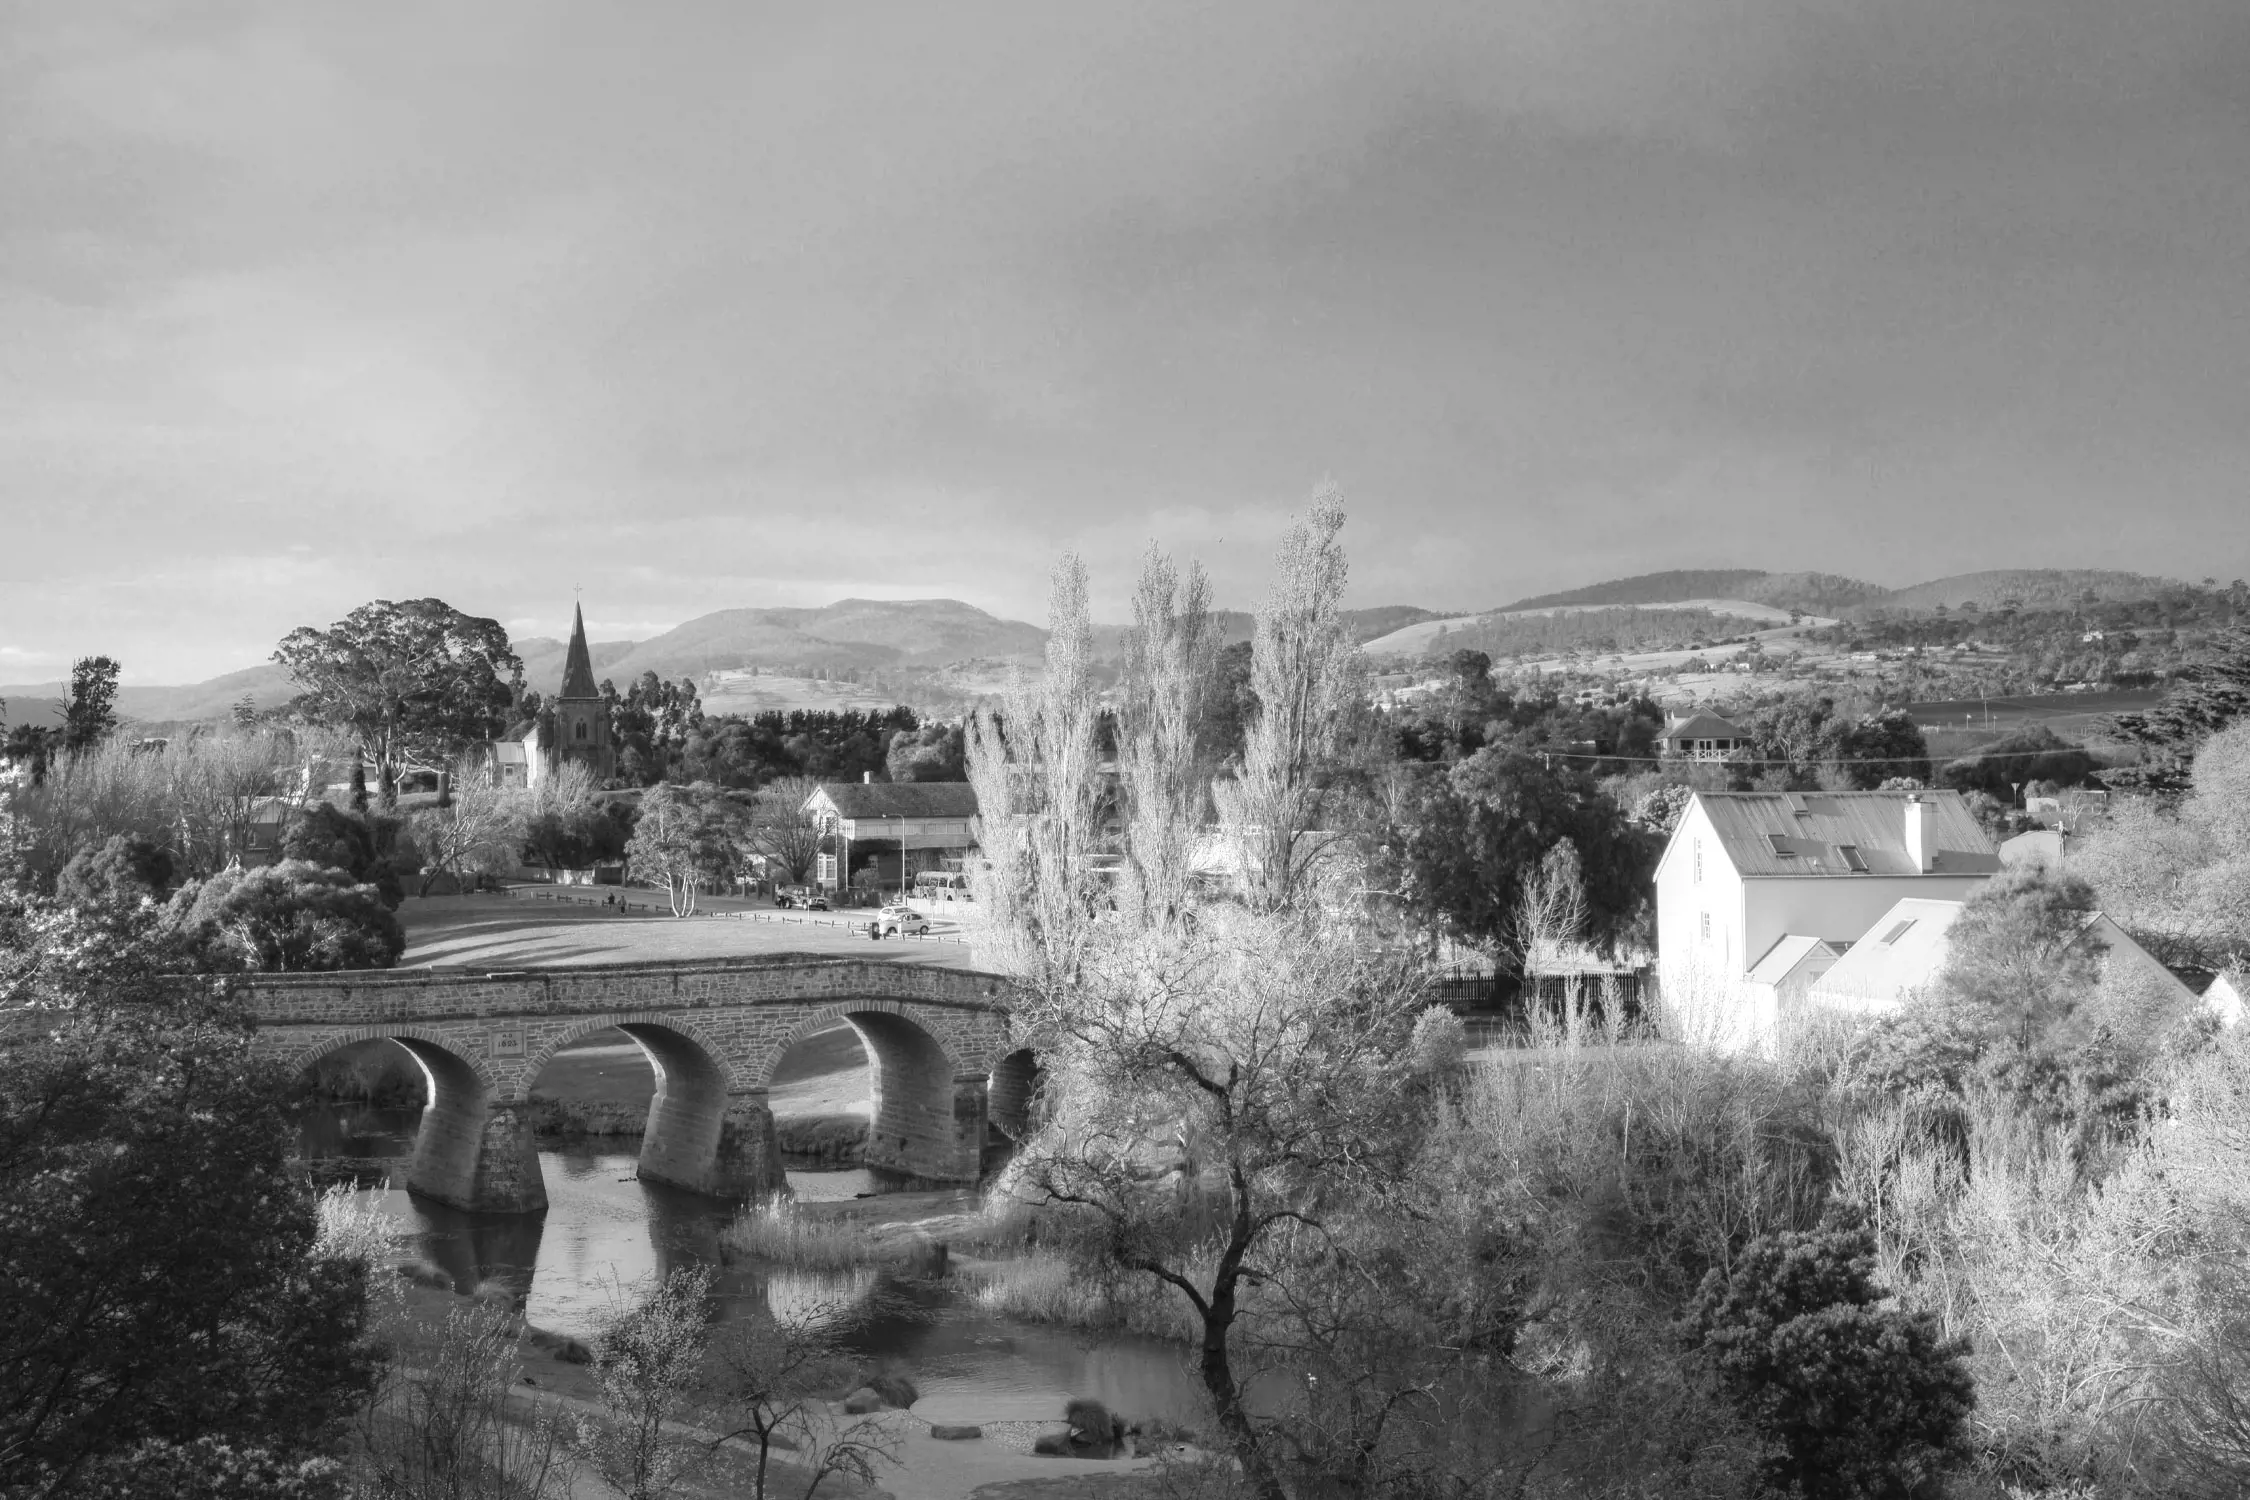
756,304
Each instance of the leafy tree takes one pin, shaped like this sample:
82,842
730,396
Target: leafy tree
292,917
359,786
685,837
167,1313
411,680
33,747
2012,761
935,752
363,847
2020,956
1472,836
124,869
90,714
1859,1402
2207,697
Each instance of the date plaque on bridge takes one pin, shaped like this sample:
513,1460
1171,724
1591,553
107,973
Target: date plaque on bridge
507,1043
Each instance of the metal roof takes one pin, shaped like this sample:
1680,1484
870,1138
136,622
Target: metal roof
901,799
1788,951
1704,726
1900,955
1844,833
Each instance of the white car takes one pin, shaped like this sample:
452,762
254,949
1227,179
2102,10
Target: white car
900,921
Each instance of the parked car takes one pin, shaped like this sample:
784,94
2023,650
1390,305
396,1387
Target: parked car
901,921
802,897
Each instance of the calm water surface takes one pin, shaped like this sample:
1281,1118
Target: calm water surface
604,1230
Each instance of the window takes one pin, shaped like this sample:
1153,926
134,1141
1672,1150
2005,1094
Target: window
1897,932
581,729
1699,870
1707,927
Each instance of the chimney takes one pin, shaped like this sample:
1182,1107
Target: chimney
1918,834
867,778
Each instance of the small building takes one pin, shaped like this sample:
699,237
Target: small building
1704,736
2040,848
1743,870
1901,956
897,828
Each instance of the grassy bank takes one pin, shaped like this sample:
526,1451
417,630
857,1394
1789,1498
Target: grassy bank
822,1141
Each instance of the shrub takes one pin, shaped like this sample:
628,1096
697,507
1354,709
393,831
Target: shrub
1857,1400
292,917
127,868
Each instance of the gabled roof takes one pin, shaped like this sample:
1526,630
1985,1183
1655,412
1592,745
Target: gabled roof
578,666
900,799
1901,954
1844,833
1704,726
1788,952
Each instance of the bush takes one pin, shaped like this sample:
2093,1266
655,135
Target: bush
1857,1400
125,869
290,918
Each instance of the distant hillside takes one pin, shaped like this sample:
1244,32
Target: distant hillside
850,635
267,685
2027,588
1651,588
1814,593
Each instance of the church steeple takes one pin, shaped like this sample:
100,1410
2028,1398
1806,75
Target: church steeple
578,666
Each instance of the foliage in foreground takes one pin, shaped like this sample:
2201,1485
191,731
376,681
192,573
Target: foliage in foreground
165,1301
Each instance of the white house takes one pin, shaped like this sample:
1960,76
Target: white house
1744,870
1902,954
900,827
1704,736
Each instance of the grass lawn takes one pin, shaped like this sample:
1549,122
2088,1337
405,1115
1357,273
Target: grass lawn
495,931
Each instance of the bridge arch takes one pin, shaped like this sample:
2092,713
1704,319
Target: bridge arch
1013,1092
472,1149
704,1133
928,1114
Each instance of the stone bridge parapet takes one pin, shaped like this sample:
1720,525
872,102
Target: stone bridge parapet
712,1029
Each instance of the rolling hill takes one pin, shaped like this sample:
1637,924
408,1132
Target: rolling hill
1814,593
2027,588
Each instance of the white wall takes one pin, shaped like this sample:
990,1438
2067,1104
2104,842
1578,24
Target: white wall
1684,956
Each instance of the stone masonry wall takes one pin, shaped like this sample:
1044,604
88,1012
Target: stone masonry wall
719,1028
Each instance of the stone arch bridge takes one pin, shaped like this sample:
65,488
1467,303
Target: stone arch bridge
937,1040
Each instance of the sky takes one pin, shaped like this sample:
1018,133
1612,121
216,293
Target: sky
699,306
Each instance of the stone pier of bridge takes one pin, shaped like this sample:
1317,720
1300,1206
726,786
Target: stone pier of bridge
712,1031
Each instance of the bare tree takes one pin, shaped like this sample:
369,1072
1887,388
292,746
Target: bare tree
784,831
1550,913
479,832
647,1368
775,1370
1310,685
446,1422
218,786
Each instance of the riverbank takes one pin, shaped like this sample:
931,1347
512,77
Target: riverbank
996,1465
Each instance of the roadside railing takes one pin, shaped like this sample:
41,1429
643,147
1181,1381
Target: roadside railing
620,903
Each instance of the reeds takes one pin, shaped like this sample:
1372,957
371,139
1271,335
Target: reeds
778,1232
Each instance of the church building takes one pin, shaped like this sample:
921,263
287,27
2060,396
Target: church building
573,726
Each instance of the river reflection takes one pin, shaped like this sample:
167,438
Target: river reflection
605,1230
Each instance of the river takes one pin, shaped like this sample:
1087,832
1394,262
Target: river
604,1230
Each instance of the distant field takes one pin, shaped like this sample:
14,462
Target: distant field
2072,715
1418,638
740,691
